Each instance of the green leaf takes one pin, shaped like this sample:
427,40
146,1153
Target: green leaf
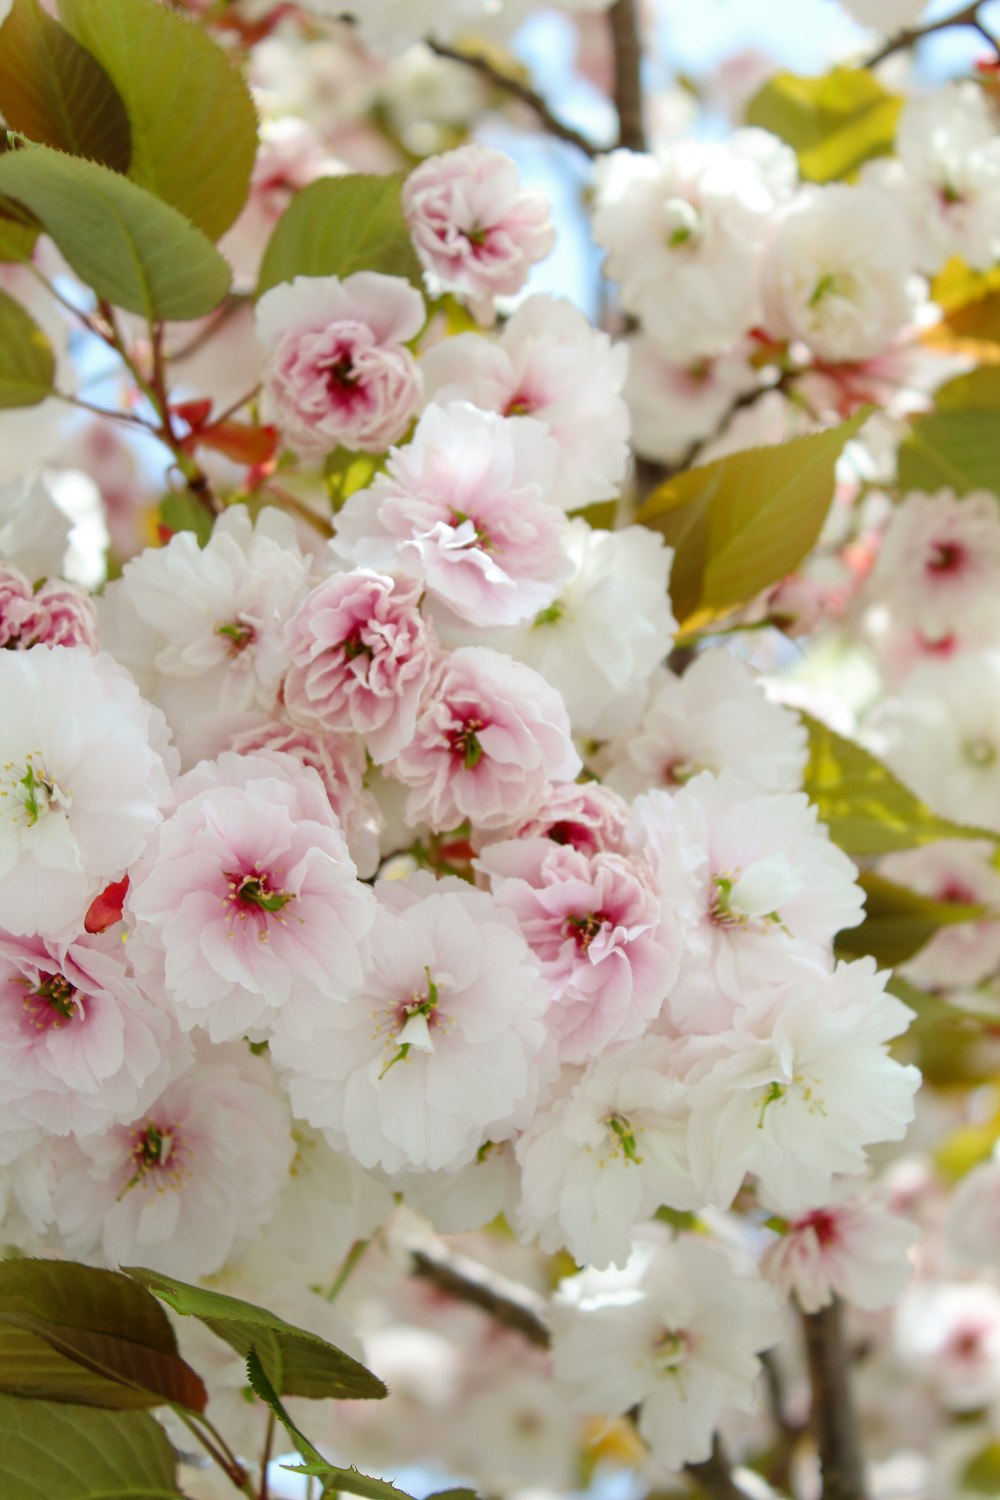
833,123
867,809
297,1363
194,126
955,446
345,472
53,91
74,1333
134,251
27,363
898,922
340,225
743,523
184,512
52,1452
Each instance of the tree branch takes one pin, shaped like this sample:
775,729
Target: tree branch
967,16
510,1305
623,18
715,1475
834,1423
521,91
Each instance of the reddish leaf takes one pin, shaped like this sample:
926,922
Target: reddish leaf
241,442
106,909
194,413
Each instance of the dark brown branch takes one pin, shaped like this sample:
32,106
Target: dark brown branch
967,16
521,91
834,1422
715,1476
626,45
510,1305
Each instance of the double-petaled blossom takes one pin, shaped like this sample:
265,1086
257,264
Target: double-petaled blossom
338,372
464,509
361,655
492,738
444,1046
247,901
85,770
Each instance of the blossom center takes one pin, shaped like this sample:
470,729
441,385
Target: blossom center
671,1349
239,633
682,223
946,557
465,743
156,1155
412,1021
584,929
254,895
623,1130
34,794
51,1002
980,752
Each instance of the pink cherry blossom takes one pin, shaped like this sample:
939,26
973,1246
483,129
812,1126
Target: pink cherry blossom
361,656
190,1181
339,760
853,1248
445,1044
80,1045
463,509
939,566
59,614
551,364
492,737
586,815
338,372
605,944
475,229
248,899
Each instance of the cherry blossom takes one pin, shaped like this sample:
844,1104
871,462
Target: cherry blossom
492,738
475,229
464,509
247,900
337,370
458,1044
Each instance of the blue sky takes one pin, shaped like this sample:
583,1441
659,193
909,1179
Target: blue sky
803,35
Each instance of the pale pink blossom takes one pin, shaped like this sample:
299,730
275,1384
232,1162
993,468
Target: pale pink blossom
948,1332
464,510
58,614
584,814
444,1047
361,655
492,737
602,935
853,1247
80,1044
475,229
84,765
799,1086
753,879
549,363
938,568
338,372
959,871
190,1181
248,899
339,760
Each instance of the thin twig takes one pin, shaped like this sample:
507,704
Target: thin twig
103,411
834,1422
626,47
508,1304
235,406
967,16
715,1475
219,1451
291,502
265,1457
518,90
350,1260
